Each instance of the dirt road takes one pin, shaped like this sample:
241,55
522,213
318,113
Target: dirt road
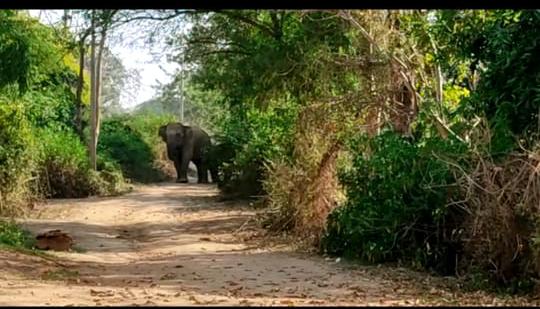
176,244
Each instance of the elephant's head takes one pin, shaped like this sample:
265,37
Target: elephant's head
174,134
163,133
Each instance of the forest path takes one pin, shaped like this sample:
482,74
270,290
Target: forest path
177,244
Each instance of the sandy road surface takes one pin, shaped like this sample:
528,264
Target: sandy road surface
177,244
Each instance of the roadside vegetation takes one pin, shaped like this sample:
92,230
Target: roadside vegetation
406,137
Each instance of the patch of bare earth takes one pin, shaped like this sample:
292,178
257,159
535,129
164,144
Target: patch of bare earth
177,244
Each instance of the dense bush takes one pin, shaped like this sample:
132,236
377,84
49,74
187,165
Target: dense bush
147,126
15,158
221,156
499,235
473,74
508,90
500,231
31,48
133,142
39,75
64,169
52,106
250,141
397,192
12,235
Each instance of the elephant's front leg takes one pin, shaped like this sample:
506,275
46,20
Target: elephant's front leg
185,158
177,166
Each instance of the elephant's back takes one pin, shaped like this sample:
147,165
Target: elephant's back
202,141
201,135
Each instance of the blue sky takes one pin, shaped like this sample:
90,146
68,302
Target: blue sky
134,55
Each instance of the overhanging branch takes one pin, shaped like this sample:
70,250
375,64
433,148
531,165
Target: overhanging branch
264,28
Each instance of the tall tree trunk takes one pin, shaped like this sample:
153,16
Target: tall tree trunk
80,85
438,77
438,72
372,91
93,137
98,87
66,18
440,122
96,80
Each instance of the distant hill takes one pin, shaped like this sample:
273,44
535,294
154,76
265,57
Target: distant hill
157,106
154,106
160,106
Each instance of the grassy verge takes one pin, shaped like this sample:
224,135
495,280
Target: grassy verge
13,236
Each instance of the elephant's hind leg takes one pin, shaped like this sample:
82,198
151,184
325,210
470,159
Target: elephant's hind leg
202,172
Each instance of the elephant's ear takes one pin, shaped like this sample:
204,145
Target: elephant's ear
163,133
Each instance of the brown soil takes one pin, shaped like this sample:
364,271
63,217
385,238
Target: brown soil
177,244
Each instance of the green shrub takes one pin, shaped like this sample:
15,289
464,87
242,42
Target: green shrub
12,235
111,180
249,141
397,192
15,157
221,156
133,142
64,169
39,154
147,126
52,106
28,50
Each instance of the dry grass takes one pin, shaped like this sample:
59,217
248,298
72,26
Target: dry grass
162,162
17,200
303,192
502,201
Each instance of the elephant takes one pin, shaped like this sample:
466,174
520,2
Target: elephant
188,144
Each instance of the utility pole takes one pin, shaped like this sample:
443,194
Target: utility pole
182,85
183,96
66,18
